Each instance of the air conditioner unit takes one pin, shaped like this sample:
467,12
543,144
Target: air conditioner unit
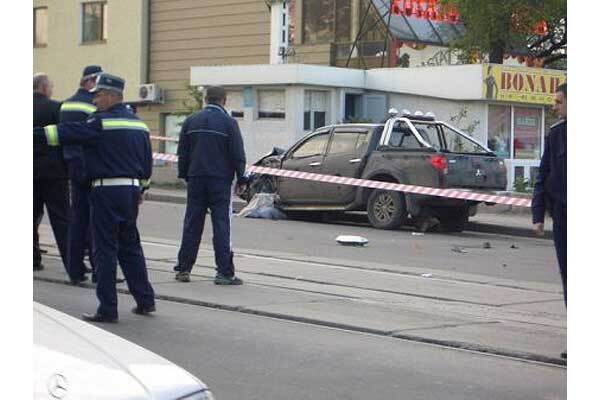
150,93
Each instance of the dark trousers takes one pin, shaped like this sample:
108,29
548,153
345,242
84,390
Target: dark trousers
559,228
204,194
114,211
79,229
54,194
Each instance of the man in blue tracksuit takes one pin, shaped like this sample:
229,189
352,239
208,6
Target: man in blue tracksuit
78,108
118,162
211,152
550,190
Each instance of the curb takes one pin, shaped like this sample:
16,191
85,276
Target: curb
481,227
523,356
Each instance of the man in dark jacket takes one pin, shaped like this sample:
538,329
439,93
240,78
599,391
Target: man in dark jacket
118,162
211,152
78,108
50,180
550,190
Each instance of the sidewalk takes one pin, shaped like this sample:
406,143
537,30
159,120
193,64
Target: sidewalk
466,311
499,219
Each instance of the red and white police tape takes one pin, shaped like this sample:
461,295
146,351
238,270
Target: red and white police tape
449,193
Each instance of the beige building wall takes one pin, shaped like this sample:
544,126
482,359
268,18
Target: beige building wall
187,33
124,53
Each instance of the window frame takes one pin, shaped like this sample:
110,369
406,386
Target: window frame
312,112
35,31
271,115
102,32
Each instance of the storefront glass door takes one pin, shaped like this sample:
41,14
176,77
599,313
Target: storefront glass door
516,133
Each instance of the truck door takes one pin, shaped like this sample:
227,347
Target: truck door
306,156
345,157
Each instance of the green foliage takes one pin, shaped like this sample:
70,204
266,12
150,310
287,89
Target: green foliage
194,103
522,185
494,27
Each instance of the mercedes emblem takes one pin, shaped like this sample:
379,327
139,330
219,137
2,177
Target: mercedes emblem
58,386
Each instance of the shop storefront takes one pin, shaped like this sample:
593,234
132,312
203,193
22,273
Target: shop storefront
519,115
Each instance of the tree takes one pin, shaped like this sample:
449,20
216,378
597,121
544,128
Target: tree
534,29
196,104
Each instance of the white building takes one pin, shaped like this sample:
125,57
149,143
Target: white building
501,106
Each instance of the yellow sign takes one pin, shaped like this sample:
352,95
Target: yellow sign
521,84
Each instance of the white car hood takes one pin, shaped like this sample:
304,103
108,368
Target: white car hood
75,360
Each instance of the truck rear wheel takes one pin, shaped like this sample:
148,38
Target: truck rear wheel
386,209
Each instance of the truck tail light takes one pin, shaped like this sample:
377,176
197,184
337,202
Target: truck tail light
440,163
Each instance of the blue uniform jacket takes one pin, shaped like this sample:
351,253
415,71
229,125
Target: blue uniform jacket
116,143
75,109
550,187
211,145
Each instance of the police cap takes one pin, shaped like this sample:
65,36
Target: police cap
91,71
106,81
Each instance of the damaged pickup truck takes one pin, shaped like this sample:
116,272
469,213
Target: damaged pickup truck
408,149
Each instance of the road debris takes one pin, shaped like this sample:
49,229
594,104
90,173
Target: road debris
458,249
426,275
350,240
418,234
487,245
514,246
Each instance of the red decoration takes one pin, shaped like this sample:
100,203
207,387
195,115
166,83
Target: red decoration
408,8
541,28
397,8
431,13
425,9
453,14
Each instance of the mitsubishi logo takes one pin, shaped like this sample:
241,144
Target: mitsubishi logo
478,173
58,386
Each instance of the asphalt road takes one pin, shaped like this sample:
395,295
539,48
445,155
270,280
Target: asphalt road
516,258
250,357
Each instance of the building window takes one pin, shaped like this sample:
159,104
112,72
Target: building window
235,104
499,130
40,27
315,109
527,141
518,137
325,21
94,22
172,125
271,104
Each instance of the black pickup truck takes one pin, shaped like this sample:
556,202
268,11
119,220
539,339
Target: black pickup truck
416,150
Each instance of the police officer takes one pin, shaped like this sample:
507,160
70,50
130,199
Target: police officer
118,159
50,183
550,190
78,108
211,151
